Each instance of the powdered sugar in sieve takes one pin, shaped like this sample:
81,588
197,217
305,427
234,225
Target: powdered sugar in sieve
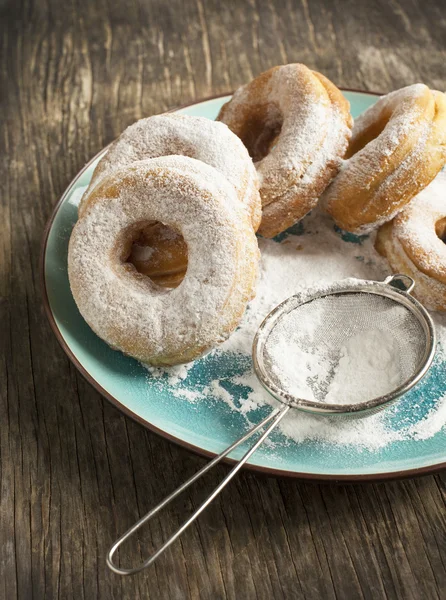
349,348
345,348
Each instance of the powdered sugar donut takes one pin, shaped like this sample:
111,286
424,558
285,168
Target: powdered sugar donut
397,148
196,137
296,125
125,308
414,243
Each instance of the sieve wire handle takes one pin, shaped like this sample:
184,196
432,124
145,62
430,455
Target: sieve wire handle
275,417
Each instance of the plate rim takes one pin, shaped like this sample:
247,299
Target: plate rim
312,477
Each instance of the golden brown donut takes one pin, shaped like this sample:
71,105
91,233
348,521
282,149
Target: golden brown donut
414,243
184,135
127,309
397,148
296,125
177,134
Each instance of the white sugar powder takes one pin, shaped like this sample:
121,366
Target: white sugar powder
314,257
433,422
368,368
176,373
300,371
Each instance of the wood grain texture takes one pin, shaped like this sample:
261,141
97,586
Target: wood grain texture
74,472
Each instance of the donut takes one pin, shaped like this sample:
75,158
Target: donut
397,148
296,125
414,243
196,137
127,309
174,134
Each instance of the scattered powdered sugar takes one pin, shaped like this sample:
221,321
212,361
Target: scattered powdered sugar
313,254
176,373
187,394
300,370
218,391
432,423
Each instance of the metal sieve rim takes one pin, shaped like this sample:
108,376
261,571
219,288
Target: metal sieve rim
384,288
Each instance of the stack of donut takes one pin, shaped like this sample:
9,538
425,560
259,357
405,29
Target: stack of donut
160,252
163,259
174,200
397,148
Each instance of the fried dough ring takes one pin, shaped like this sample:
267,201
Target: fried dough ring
397,148
296,125
176,134
183,135
126,309
414,244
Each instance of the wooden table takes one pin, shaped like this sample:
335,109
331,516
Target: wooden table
74,471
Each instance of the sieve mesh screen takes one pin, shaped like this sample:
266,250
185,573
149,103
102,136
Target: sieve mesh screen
345,348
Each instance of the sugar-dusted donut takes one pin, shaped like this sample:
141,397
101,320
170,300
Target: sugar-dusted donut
125,308
397,148
296,125
414,243
196,137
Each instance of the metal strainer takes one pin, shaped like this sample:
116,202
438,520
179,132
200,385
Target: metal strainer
323,327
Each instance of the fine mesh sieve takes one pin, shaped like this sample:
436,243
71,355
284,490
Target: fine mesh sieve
321,324
341,336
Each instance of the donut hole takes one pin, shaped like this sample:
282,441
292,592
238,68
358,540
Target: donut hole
158,252
369,134
440,229
261,130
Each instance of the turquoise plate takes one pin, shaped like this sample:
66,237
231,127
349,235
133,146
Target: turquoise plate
208,427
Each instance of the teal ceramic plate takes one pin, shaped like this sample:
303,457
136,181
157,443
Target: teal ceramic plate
208,427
